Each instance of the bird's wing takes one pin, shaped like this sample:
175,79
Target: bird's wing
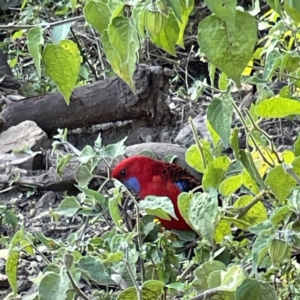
179,176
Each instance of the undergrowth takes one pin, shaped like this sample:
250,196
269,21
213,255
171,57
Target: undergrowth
247,248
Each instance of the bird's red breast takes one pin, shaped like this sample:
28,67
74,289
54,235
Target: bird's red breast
147,176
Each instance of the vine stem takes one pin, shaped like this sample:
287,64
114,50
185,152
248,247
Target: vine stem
138,290
243,210
138,228
249,134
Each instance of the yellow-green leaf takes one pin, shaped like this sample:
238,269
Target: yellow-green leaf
222,229
62,65
194,158
230,185
280,183
168,36
256,214
278,108
11,269
215,172
249,182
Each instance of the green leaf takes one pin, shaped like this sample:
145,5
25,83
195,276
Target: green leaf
11,269
249,182
113,257
215,172
114,210
95,270
230,185
215,137
280,183
256,214
138,16
11,219
116,7
178,286
125,71
186,10
152,290
86,154
98,15
260,249
223,229
48,242
234,142
115,150
34,42
60,32
219,114
94,195
119,31
280,214
194,158
214,279
122,40
237,222
167,37
68,207
272,62
264,226
175,5
228,50
256,290
62,65
54,286
61,162
206,206
161,207
278,108
249,165
292,8
232,278
184,202
19,236
202,273
225,10
129,293
83,175
297,146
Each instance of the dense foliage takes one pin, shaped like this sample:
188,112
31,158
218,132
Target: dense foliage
248,247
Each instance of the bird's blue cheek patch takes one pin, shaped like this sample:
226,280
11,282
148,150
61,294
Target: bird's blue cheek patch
182,185
133,184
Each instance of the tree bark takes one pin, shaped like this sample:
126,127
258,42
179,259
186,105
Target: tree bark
109,100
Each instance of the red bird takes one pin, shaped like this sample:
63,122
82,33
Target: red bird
147,176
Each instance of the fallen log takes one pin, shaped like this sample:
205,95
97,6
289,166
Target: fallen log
109,100
10,165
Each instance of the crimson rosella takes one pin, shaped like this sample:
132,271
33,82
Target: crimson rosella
147,176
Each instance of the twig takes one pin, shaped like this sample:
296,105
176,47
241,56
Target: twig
243,210
206,295
138,290
48,25
76,288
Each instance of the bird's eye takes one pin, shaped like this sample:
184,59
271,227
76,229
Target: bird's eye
123,172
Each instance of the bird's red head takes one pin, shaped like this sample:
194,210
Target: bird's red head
135,172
